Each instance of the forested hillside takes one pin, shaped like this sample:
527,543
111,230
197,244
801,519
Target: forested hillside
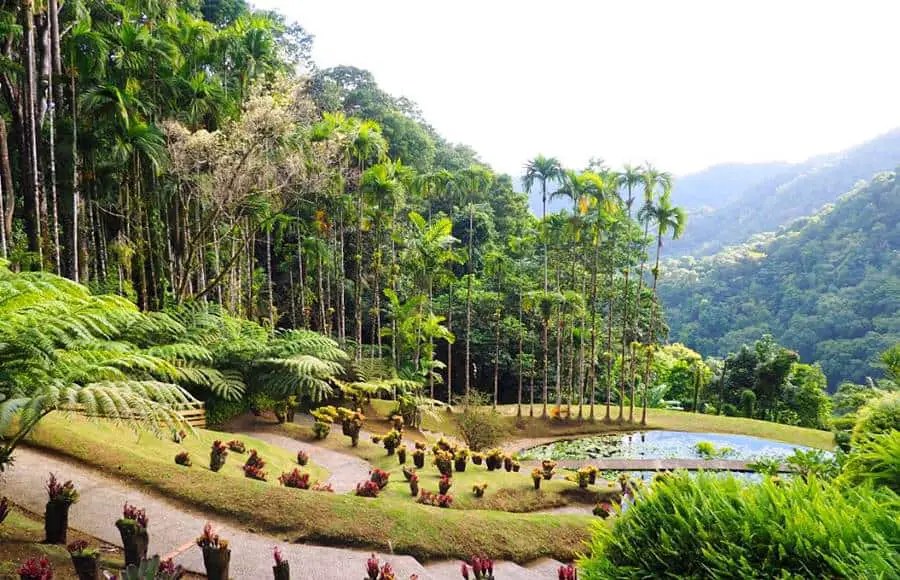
718,185
827,286
796,191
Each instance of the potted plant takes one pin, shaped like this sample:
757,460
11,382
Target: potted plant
302,458
583,476
380,477
351,423
408,472
443,460
568,572
397,422
460,459
516,466
217,455
237,446
85,560
392,441
482,569
444,500
420,445
603,509
419,458
478,489
592,474
133,529
324,417
477,458
444,484
61,496
507,463
548,465
536,476
178,435
153,569
414,485
401,454
183,458
216,554
320,486
36,569
294,479
282,569
321,429
373,572
493,459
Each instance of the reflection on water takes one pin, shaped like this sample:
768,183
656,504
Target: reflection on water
659,445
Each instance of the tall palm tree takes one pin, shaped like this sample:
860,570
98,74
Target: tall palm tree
544,170
669,219
652,179
630,178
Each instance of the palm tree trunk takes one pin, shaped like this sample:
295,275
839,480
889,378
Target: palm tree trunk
653,316
358,311
304,321
449,346
270,287
545,323
593,367
622,373
342,276
469,304
7,182
609,345
32,197
519,373
497,337
581,376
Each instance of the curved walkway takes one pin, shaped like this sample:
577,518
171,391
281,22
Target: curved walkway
173,528
346,470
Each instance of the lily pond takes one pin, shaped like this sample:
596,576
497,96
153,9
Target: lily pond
660,445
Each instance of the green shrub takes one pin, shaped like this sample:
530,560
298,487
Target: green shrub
876,459
715,527
880,415
748,403
479,426
730,410
218,410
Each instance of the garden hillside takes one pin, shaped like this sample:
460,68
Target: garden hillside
827,286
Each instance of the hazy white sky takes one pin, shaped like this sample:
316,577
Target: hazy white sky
683,84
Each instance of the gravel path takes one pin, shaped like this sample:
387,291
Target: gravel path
173,529
346,470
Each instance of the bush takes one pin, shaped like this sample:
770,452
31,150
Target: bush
748,403
302,458
813,462
392,440
880,415
321,430
253,468
444,484
877,459
295,479
478,489
443,460
435,499
721,527
36,569
730,410
479,426
219,410
183,458
380,477
237,446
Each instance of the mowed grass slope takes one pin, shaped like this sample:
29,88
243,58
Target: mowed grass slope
390,522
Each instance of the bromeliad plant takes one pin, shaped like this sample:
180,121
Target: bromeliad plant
282,569
604,509
237,446
380,477
295,479
401,454
178,435
392,440
482,569
60,497
478,489
36,569
153,569
217,455
477,458
320,486
133,528
367,489
434,499
183,458
216,554
85,560
583,476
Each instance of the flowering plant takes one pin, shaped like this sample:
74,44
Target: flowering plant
61,492
408,472
548,465
478,489
482,569
131,514
444,484
237,446
391,441
376,571
603,509
302,458
253,468
319,486
367,489
183,458
568,573
477,458
421,445
210,540
81,549
295,479
217,455
280,562
379,477
36,569
443,460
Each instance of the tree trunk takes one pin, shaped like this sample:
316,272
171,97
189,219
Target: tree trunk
32,195
653,315
7,182
270,288
593,367
519,395
497,338
449,346
469,304
75,257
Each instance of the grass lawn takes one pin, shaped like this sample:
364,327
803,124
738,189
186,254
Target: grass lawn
528,427
511,492
390,522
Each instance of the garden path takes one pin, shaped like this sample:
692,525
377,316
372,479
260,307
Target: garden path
345,470
173,528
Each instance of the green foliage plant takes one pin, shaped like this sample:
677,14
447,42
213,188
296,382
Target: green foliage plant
880,415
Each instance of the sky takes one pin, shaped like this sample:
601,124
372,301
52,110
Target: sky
681,84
